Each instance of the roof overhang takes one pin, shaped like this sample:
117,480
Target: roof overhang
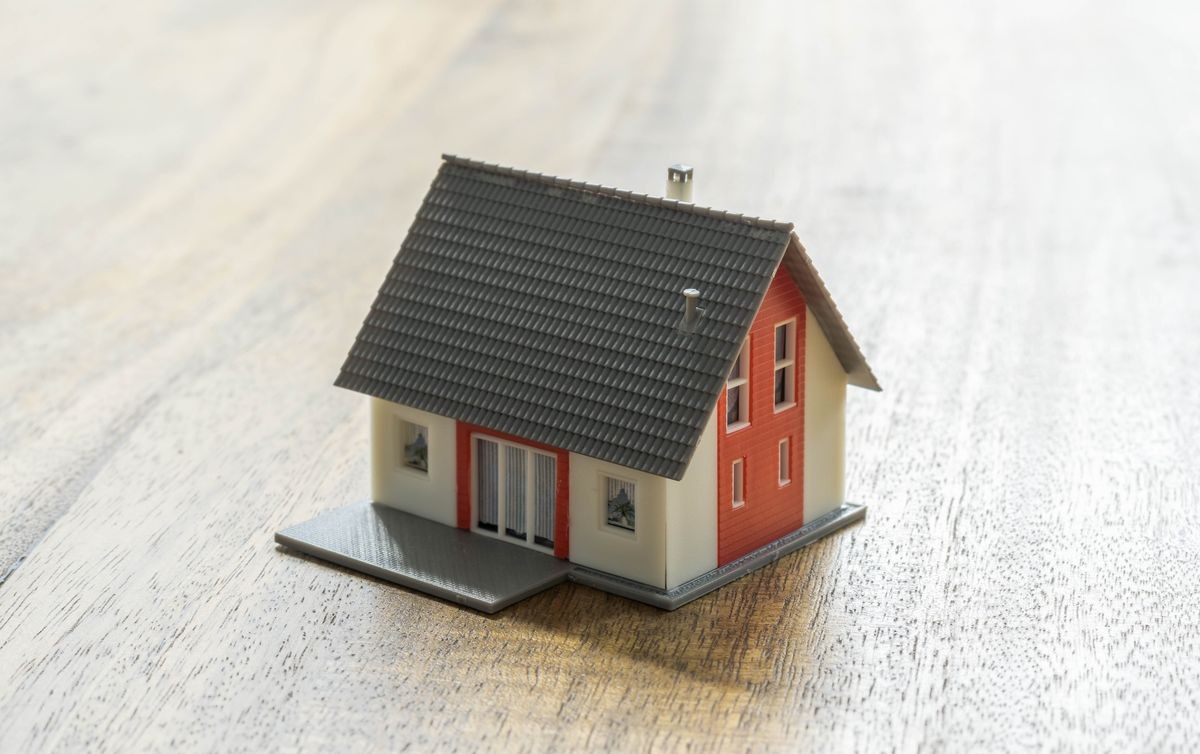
800,266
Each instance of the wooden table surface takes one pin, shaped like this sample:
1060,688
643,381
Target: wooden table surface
198,202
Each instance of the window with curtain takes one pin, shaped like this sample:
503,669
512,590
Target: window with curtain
622,503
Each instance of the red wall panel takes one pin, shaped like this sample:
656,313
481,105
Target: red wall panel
770,510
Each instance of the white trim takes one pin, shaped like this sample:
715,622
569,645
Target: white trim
737,478
502,492
784,458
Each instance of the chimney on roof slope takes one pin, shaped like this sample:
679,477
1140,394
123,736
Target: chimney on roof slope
691,310
679,183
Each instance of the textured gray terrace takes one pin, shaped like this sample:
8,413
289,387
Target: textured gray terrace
549,309
453,564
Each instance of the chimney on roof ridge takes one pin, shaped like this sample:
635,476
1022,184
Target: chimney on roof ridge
679,183
692,313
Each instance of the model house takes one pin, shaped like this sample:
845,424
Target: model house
646,389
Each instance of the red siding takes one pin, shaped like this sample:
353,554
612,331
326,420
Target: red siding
562,503
770,510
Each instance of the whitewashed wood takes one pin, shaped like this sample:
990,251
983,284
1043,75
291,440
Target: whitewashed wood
198,201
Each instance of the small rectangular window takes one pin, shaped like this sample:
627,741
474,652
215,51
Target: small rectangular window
414,442
785,365
739,483
785,461
737,392
622,504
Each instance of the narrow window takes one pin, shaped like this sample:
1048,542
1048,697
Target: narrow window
414,442
737,392
785,365
739,483
622,503
785,461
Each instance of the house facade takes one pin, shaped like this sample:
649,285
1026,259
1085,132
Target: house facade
536,377
770,459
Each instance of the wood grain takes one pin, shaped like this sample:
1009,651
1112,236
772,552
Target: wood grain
199,200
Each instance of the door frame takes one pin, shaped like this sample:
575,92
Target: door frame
464,474
501,532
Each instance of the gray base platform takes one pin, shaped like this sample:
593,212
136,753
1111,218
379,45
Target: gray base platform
719,577
488,574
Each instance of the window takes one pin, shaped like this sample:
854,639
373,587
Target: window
414,443
739,483
622,503
737,392
785,461
785,365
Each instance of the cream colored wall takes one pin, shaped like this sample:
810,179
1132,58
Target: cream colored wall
824,424
638,555
691,505
430,495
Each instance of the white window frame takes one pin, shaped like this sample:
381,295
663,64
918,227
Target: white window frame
738,483
501,486
787,365
742,383
785,462
611,528
402,428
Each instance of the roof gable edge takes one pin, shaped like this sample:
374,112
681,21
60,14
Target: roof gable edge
833,325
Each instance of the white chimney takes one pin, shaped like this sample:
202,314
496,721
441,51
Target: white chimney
679,183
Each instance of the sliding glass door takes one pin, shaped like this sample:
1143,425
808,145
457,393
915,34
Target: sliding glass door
514,492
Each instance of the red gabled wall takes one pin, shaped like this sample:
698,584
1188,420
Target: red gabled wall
770,511
562,482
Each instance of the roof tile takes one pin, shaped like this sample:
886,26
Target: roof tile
548,309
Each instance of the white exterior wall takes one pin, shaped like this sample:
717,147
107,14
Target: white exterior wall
692,513
430,495
824,424
639,555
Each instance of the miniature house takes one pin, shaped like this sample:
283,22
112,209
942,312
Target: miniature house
648,390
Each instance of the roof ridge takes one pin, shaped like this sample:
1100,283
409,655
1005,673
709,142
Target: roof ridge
595,188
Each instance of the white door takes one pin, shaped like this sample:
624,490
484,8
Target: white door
513,494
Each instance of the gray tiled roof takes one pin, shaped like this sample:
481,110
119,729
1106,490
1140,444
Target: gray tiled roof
549,309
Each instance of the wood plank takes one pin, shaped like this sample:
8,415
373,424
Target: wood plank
199,202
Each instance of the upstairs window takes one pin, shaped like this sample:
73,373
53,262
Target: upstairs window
737,392
785,365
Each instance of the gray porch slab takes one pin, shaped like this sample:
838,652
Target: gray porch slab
470,569
490,574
